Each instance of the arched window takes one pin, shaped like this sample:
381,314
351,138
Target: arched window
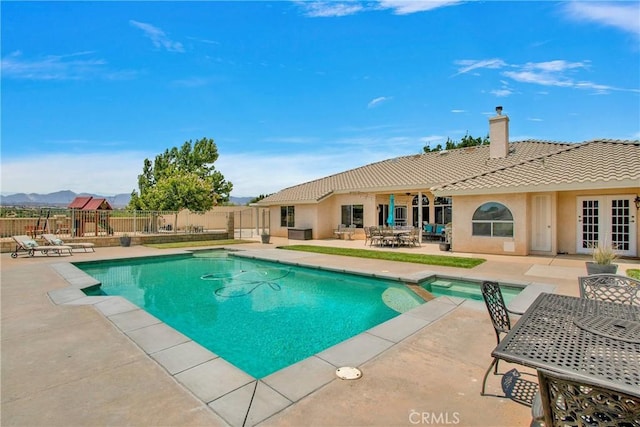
492,219
425,201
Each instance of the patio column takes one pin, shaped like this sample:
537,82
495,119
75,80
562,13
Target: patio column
420,217
257,217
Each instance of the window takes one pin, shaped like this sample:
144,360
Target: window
425,210
492,219
352,215
442,207
287,216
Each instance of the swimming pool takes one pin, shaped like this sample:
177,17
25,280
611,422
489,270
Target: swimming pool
260,316
468,289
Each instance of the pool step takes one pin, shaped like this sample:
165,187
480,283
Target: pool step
421,292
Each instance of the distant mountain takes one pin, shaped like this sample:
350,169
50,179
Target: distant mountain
241,201
59,199
64,198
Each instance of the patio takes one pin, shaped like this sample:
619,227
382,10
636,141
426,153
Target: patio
65,365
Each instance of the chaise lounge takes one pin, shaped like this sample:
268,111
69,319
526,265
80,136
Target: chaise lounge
53,240
26,244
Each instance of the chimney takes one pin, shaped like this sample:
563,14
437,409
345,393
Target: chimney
499,135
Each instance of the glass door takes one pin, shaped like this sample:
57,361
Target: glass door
606,220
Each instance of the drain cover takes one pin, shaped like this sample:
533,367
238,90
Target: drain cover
348,373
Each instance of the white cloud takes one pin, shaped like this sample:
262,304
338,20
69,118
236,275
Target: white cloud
556,65
377,101
621,15
501,93
321,9
158,37
405,7
52,67
325,9
467,65
541,78
557,73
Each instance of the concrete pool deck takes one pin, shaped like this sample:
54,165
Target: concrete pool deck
77,364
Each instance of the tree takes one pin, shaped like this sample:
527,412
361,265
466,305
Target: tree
182,178
466,141
260,197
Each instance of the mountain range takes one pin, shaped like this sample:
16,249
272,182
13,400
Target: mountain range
65,197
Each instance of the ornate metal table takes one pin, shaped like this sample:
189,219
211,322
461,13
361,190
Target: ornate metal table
579,337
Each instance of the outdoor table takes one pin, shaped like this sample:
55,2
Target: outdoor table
392,236
582,338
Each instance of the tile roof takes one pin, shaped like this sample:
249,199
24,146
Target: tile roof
88,203
594,164
415,172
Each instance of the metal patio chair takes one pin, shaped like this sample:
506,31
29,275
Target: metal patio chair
513,385
610,287
569,401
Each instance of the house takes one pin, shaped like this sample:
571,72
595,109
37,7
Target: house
514,198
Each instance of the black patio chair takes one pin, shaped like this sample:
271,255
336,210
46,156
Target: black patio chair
568,401
513,385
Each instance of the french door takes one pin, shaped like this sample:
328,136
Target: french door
606,220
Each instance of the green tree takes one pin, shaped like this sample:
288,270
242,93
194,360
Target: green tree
260,197
183,178
466,141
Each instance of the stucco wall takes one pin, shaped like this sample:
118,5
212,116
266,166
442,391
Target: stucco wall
567,224
564,222
463,209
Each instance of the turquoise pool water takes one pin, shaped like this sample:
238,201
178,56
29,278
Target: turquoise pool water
440,286
257,315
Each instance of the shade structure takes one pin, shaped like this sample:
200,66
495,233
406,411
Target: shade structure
392,207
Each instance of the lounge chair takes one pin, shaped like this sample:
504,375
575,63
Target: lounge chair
30,246
52,239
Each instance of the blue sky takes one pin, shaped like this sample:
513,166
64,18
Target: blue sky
294,91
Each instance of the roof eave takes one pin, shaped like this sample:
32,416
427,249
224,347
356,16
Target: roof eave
587,185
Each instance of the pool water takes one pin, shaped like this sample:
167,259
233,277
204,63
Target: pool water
259,316
440,286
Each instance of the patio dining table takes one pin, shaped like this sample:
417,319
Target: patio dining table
392,236
582,338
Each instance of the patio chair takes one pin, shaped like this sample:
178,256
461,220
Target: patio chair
26,244
52,239
376,236
367,235
513,385
389,238
580,402
410,238
610,287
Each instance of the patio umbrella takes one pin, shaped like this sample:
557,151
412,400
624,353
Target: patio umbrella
392,208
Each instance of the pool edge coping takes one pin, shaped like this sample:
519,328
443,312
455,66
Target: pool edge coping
278,390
